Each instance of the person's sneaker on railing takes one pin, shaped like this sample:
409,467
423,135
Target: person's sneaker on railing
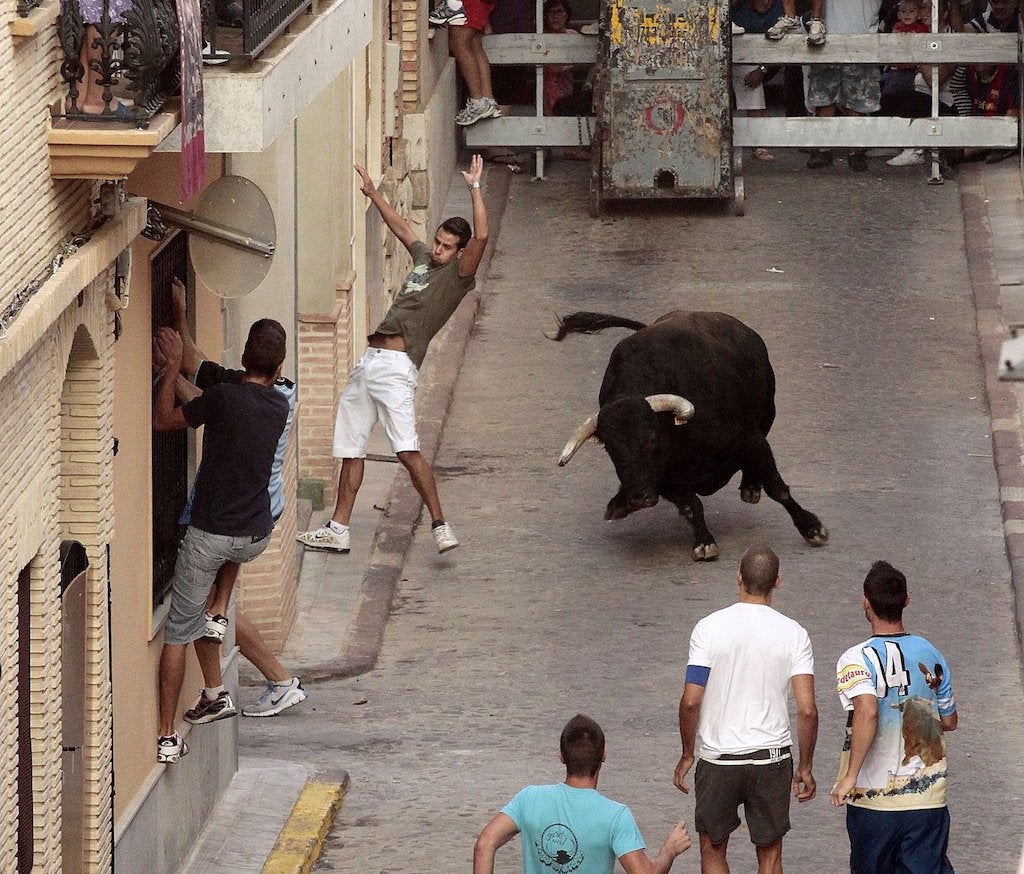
785,25
816,33
477,109
447,12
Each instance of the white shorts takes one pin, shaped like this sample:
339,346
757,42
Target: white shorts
382,386
746,98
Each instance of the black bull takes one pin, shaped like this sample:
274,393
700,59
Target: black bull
685,403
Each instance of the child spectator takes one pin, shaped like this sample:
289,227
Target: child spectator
907,93
754,16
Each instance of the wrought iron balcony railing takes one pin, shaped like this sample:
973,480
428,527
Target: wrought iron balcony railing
133,40
135,44
262,21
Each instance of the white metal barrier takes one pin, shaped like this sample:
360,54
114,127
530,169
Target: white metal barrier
540,131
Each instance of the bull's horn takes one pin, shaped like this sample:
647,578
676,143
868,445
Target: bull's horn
671,404
586,431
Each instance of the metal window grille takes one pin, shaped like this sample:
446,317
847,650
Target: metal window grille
26,820
170,448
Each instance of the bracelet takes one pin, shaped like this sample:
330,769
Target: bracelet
474,184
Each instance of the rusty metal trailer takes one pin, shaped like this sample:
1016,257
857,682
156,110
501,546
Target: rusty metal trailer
663,121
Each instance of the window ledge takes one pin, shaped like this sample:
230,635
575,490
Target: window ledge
39,18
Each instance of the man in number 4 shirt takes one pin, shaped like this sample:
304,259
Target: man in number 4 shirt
892,774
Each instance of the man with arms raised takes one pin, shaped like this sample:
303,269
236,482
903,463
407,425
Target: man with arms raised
382,385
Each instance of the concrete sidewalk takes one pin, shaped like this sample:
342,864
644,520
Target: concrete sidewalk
343,607
345,600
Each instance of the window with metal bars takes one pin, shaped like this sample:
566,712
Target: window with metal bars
170,448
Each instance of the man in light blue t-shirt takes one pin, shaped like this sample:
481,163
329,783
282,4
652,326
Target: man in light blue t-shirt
570,827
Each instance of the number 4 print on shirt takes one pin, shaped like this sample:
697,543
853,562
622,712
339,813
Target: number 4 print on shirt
895,675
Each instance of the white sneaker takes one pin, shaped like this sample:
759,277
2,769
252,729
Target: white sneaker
276,697
783,26
737,30
443,15
170,749
444,537
477,110
816,33
325,537
907,158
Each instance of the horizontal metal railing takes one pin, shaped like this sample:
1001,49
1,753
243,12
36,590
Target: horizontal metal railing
262,22
879,131
872,131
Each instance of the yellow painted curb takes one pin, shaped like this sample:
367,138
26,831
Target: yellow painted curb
302,839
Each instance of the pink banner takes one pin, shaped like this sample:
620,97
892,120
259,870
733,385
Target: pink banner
193,142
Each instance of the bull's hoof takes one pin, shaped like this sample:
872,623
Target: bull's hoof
816,536
750,496
705,552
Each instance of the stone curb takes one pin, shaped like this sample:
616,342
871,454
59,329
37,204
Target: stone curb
302,838
1004,409
395,529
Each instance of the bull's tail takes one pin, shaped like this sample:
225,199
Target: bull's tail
591,323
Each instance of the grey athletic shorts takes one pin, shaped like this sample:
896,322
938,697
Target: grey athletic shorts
763,790
200,556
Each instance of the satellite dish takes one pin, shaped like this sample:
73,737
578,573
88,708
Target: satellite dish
233,235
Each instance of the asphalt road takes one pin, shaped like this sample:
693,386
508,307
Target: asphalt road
858,284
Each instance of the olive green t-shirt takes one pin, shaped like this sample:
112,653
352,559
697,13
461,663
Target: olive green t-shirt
428,298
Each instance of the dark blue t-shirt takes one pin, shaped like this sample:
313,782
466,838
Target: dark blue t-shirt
243,423
753,22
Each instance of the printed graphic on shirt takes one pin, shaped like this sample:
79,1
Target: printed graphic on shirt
416,280
559,849
906,765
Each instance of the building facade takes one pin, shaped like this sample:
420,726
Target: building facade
89,495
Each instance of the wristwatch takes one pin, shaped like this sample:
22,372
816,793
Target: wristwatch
474,184
763,69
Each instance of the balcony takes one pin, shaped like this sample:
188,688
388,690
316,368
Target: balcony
283,54
249,103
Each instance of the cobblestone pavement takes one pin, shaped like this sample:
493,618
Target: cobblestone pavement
859,285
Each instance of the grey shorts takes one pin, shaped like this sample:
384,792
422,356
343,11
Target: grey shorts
763,790
200,556
854,86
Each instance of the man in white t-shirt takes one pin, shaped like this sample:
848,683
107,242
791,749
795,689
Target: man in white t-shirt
743,662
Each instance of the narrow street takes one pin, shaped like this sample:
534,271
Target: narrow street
859,286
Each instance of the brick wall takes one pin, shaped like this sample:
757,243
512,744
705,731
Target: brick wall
269,585
59,430
325,358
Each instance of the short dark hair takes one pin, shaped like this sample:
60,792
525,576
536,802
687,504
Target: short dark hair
554,4
264,348
582,746
460,227
759,569
885,587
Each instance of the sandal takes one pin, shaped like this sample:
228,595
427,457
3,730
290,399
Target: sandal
762,154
